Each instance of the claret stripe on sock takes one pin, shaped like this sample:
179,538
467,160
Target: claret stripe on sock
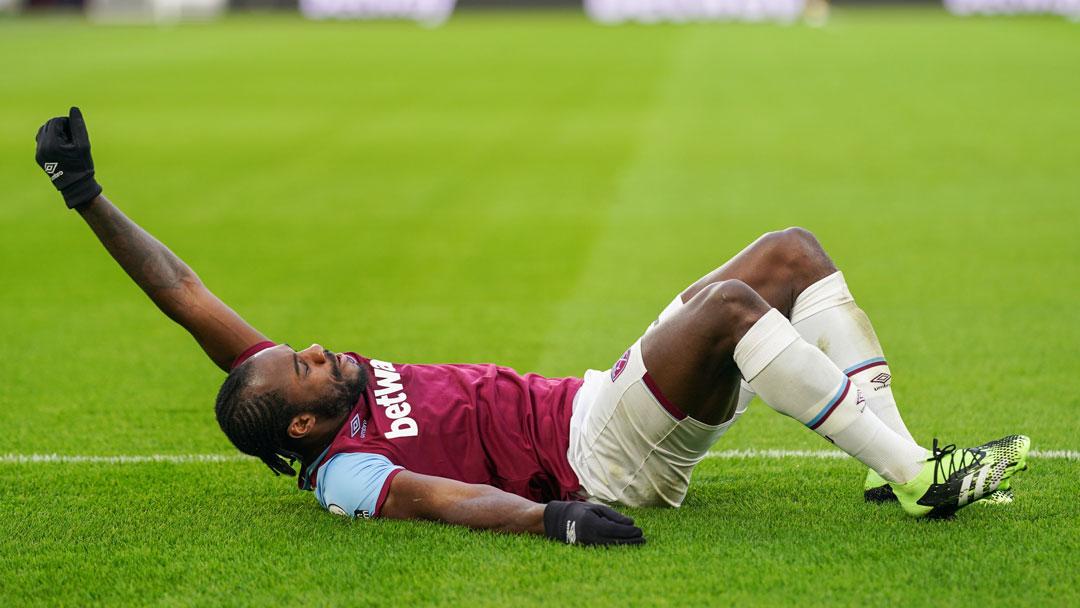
824,414
865,365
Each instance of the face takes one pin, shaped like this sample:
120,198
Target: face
314,379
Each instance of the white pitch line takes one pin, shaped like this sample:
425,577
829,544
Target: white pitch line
777,454
203,458
1056,454
836,454
79,459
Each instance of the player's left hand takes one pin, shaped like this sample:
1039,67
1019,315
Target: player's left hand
63,151
584,523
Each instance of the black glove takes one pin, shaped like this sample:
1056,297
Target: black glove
63,151
585,523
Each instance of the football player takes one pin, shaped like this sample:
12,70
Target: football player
483,446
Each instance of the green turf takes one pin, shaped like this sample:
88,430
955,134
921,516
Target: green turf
532,190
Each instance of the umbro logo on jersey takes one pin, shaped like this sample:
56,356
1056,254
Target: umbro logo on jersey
354,425
50,167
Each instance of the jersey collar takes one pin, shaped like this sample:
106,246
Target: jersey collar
304,481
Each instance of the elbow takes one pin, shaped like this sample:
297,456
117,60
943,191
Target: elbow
182,300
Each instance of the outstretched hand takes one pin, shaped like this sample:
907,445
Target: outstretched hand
63,151
584,523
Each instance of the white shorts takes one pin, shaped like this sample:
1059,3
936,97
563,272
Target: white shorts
629,444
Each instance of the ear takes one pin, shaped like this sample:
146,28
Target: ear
301,425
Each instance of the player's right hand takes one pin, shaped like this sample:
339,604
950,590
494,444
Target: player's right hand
63,151
584,523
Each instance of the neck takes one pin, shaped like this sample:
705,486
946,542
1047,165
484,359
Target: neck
312,445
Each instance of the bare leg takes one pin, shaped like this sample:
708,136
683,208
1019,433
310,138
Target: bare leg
690,355
778,266
727,331
793,274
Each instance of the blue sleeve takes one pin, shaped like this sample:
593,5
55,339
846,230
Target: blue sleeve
355,484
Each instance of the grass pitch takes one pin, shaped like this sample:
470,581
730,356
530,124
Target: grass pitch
532,190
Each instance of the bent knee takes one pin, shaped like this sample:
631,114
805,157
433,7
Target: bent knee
728,306
793,240
796,251
727,293
799,235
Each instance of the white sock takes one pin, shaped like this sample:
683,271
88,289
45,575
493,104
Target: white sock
825,314
796,379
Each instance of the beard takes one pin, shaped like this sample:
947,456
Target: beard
345,395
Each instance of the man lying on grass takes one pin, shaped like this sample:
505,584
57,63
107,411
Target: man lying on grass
486,447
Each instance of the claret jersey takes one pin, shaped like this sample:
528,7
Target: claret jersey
483,424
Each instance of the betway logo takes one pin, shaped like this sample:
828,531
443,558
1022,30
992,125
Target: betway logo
390,395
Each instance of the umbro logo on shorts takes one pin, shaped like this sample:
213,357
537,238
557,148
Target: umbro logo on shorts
620,365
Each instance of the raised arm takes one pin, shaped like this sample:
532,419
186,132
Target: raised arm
171,284
64,153
414,496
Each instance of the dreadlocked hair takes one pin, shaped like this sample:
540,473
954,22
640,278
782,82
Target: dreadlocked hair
256,423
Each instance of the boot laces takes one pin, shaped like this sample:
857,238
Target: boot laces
947,463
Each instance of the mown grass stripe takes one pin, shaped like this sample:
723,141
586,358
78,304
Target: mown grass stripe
202,458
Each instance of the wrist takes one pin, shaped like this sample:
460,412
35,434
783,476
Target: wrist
555,520
92,205
82,192
534,519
